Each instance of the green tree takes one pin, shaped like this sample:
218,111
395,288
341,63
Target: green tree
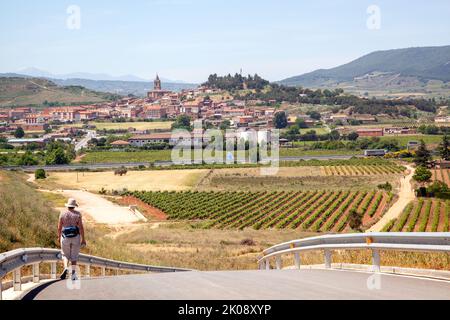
182,122
40,174
353,136
225,125
57,157
280,120
27,159
293,130
19,133
334,135
423,156
301,123
314,114
422,175
444,149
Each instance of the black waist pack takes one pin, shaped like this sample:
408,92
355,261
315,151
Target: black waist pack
70,232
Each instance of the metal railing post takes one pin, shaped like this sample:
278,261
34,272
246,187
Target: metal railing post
376,260
267,264
297,260
1,289
261,265
53,270
328,255
17,279
36,274
103,271
278,262
88,270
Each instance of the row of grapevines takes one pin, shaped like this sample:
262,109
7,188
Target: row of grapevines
287,220
413,220
343,222
324,217
335,218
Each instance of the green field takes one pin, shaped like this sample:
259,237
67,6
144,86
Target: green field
403,140
126,157
298,152
157,125
319,131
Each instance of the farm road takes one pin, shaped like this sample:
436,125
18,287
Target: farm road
405,196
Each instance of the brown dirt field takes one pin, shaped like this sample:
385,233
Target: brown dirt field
149,210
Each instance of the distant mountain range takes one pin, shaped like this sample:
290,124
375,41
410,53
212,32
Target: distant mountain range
390,69
123,85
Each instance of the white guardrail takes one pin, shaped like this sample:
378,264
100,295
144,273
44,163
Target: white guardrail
376,242
14,261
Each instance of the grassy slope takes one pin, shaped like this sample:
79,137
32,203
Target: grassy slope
34,92
26,218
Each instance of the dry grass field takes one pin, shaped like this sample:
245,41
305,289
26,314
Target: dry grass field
184,245
291,178
170,180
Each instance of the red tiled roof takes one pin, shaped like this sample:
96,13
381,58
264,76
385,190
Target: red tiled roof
120,143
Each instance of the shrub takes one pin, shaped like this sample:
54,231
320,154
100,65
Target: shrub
386,186
121,172
248,242
40,174
355,220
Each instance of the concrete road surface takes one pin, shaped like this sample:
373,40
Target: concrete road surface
240,285
90,134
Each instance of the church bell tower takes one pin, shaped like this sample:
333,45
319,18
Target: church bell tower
157,85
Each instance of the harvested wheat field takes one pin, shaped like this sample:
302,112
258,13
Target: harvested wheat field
170,180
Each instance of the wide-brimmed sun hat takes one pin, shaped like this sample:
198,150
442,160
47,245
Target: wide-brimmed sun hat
71,203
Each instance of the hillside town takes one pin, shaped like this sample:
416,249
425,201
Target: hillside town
164,105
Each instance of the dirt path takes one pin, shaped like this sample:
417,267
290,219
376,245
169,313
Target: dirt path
97,208
100,209
405,196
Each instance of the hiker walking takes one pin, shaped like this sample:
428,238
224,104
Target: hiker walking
71,235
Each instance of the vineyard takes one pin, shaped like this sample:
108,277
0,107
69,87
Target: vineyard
441,175
423,215
318,211
363,170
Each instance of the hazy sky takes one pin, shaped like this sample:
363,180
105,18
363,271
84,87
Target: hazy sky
189,39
